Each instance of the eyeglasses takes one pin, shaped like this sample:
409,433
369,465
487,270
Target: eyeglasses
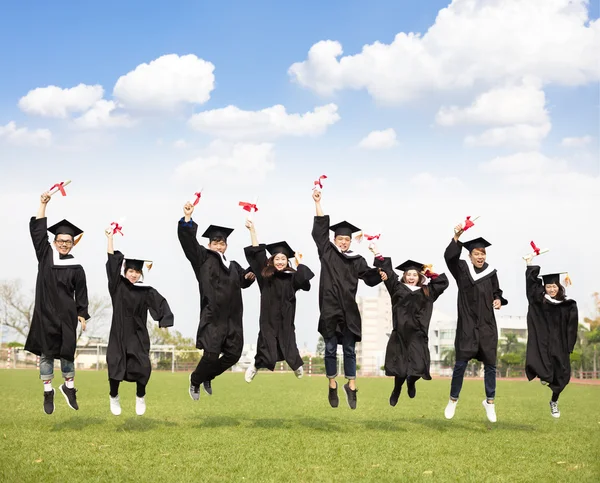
67,243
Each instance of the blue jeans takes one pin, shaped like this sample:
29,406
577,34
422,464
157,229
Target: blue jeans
458,374
348,342
47,368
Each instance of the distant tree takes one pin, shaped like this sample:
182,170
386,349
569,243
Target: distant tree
448,356
593,335
321,346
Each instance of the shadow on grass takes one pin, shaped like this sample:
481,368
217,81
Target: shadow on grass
271,423
76,423
219,422
376,425
320,424
443,425
141,424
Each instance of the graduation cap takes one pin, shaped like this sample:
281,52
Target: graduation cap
65,227
215,231
554,278
476,243
343,228
410,265
137,264
281,247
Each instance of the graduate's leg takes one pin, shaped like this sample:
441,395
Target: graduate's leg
47,371
114,400
489,380
204,369
232,351
410,382
331,360
114,387
68,372
398,382
140,389
458,375
348,345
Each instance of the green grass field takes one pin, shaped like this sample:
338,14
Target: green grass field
282,429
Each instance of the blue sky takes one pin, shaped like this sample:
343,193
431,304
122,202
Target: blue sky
533,141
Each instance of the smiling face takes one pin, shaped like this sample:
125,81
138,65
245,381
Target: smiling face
133,275
342,242
63,243
280,262
551,289
218,245
477,257
411,277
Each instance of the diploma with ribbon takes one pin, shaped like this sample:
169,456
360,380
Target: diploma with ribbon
59,187
469,222
317,184
362,235
536,251
198,195
428,271
249,207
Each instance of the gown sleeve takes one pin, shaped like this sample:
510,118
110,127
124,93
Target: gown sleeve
257,259
159,309
320,233
438,285
452,257
535,290
392,279
81,295
573,327
113,270
244,282
497,291
39,236
194,252
302,278
369,275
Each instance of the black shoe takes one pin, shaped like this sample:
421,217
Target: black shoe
334,400
394,397
412,390
49,401
207,387
70,396
350,396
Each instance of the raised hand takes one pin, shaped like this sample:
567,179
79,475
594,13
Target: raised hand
298,257
109,233
188,209
316,196
458,231
45,197
383,275
250,276
497,304
250,225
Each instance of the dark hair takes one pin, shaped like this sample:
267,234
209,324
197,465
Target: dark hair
270,269
217,239
561,294
420,283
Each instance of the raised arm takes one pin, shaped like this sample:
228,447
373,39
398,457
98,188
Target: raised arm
302,277
159,309
384,264
38,228
371,276
533,286
186,231
247,276
113,270
452,256
252,230
44,199
257,259
317,198
438,285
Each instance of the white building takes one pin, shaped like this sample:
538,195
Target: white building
376,313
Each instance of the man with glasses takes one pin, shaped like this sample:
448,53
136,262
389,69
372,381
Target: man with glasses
61,302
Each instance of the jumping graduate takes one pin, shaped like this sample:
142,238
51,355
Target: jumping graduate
407,353
61,301
340,322
552,323
128,352
220,332
278,283
479,295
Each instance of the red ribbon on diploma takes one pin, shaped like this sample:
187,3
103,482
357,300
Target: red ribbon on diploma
198,196
468,223
362,235
536,250
116,228
60,187
318,182
250,207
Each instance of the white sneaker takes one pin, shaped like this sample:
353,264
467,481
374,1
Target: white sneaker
140,405
554,409
299,372
115,405
450,409
490,411
250,373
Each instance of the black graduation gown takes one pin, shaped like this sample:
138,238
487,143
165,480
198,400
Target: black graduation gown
128,352
340,273
60,297
551,334
476,330
407,352
277,336
221,306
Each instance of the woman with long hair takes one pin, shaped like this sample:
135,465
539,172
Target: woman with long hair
407,354
278,282
552,323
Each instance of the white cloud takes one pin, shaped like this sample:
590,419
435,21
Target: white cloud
53,101
180,144
22,136
429,183
236,163
100,116
575,142
379,140
233,122
501,106
472,42
166,83
520,136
